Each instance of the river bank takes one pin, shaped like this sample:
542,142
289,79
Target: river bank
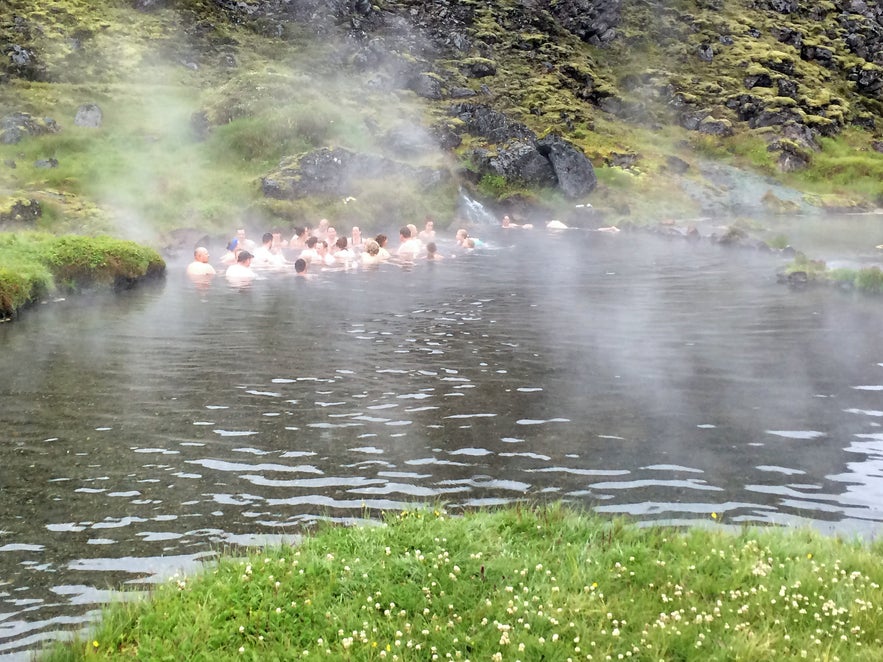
518,583
37,265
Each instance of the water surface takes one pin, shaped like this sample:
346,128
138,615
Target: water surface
634,375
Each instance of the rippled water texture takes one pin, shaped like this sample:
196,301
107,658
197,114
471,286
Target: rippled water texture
660,379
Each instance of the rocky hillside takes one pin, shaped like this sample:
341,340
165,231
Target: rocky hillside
162,114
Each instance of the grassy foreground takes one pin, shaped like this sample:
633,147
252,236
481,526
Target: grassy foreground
517,584
36,264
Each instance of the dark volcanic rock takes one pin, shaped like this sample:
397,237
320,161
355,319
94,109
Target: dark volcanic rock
15,127
593,21
21,212
518,161
490,124
425,85
576,176
338,172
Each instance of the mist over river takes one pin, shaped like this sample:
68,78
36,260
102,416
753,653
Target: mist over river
635,375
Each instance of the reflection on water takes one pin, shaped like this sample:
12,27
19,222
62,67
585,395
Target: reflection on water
632,375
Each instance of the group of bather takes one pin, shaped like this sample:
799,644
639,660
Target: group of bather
312,249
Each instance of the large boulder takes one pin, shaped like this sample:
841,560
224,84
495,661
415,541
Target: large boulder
89,115
339,172
517,161
575,174
485,122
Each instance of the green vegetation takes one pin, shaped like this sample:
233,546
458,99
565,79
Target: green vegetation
521,583
36,264
201,100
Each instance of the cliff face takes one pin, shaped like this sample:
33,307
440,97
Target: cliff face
510,96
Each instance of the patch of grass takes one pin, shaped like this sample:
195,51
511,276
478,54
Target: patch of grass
521,583
36,264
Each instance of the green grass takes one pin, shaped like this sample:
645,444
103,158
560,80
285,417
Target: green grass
522,583
36,264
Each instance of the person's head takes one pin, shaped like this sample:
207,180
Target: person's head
506,221
323,225
431,250
322,247
357,234
240,234
430,225
299,232
405,232
372,247
244,258
331,233
300,265
267,238
461,235
312,242
201,254
413,229
381,240
341,243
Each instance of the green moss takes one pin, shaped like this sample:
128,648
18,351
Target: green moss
38,263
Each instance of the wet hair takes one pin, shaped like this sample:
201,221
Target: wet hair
244,256
431,248
299,231
381,239
372,247
267,236
341,242
405,231
312,241
300,265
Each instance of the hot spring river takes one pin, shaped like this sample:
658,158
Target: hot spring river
664,380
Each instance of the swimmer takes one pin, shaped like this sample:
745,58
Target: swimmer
300,268
200,268
371,254
427,234
241,273
244,242
410,246
381,240
432,253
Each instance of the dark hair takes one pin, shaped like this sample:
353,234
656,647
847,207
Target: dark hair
267,236
300,265
405,231
312,241
431,247
244,256
381,239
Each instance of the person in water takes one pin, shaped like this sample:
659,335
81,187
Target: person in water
432,253
200,268
241,273
300,268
